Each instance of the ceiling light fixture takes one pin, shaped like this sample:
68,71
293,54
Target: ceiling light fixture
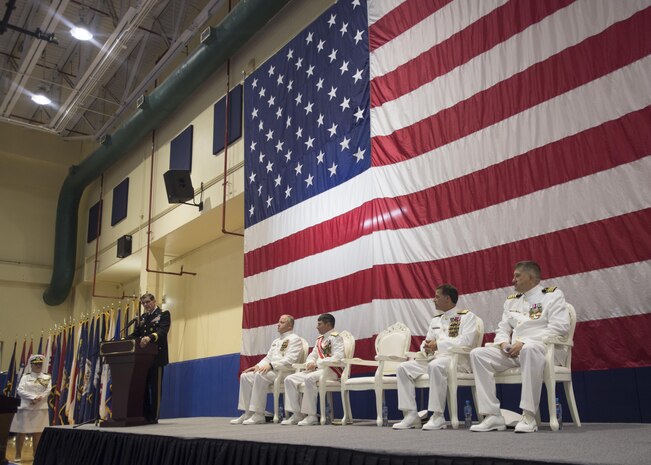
41,99
80,32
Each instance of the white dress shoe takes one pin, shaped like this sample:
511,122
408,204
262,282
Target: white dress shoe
435,422
256,419
490,423
527,424
293,420
411,420
309,421
239,420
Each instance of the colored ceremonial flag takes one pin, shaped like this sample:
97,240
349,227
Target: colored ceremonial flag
66,378
48,353
10,385
30,351
23,362
84,373
394,147
40,345
71,406
106,382
61,376
95,394
54,372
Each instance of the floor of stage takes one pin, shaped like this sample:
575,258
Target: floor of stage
594,443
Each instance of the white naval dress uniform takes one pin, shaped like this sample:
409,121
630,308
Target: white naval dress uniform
284,351
328,348
32,418
452,328
529,318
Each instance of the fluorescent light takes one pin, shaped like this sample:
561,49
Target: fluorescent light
81,33
41,99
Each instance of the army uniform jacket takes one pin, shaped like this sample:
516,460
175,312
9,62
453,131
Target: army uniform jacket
453,328
284,351
156,325
533,316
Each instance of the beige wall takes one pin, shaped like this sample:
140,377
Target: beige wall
33,166
206,308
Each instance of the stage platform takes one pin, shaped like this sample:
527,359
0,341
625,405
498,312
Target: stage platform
208,441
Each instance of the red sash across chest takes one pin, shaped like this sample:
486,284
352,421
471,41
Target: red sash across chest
321,352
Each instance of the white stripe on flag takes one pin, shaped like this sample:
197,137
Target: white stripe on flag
589,292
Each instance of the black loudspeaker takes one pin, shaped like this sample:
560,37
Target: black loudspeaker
124,246
178,186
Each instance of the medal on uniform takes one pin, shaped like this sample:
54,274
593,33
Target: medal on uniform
453,329
283,347
534,311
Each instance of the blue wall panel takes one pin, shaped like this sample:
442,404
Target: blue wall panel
202,387
209,387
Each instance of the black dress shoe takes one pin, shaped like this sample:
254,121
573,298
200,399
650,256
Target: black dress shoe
152,421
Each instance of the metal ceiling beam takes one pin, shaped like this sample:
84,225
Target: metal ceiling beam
102,63
178,46
156,10
135,66
32,56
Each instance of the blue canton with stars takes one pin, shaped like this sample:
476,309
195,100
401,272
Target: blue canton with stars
306,113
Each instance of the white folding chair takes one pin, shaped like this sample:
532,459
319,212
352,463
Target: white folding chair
392,342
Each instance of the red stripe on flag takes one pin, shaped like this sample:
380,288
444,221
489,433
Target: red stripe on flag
612,343
494,28
473,272
401,19
600,148
622,342
619,45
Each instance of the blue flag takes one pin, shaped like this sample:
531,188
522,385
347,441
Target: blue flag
10,385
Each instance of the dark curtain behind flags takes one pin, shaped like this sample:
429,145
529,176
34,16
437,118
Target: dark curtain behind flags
10,385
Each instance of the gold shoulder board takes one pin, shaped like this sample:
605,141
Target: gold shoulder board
335,334
462,312
548,290
513,296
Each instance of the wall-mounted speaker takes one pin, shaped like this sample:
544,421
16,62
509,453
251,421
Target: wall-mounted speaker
178,186
124,246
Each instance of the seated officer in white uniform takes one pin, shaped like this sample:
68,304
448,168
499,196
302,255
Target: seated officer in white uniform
529,316
329,347
255,381
451,328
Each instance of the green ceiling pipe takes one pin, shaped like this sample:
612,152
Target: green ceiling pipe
246,18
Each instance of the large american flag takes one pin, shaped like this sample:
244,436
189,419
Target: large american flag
396,145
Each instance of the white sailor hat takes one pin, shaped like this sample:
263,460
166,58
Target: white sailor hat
36,359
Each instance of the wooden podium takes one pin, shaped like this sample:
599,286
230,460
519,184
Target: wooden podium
129,364
8,406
